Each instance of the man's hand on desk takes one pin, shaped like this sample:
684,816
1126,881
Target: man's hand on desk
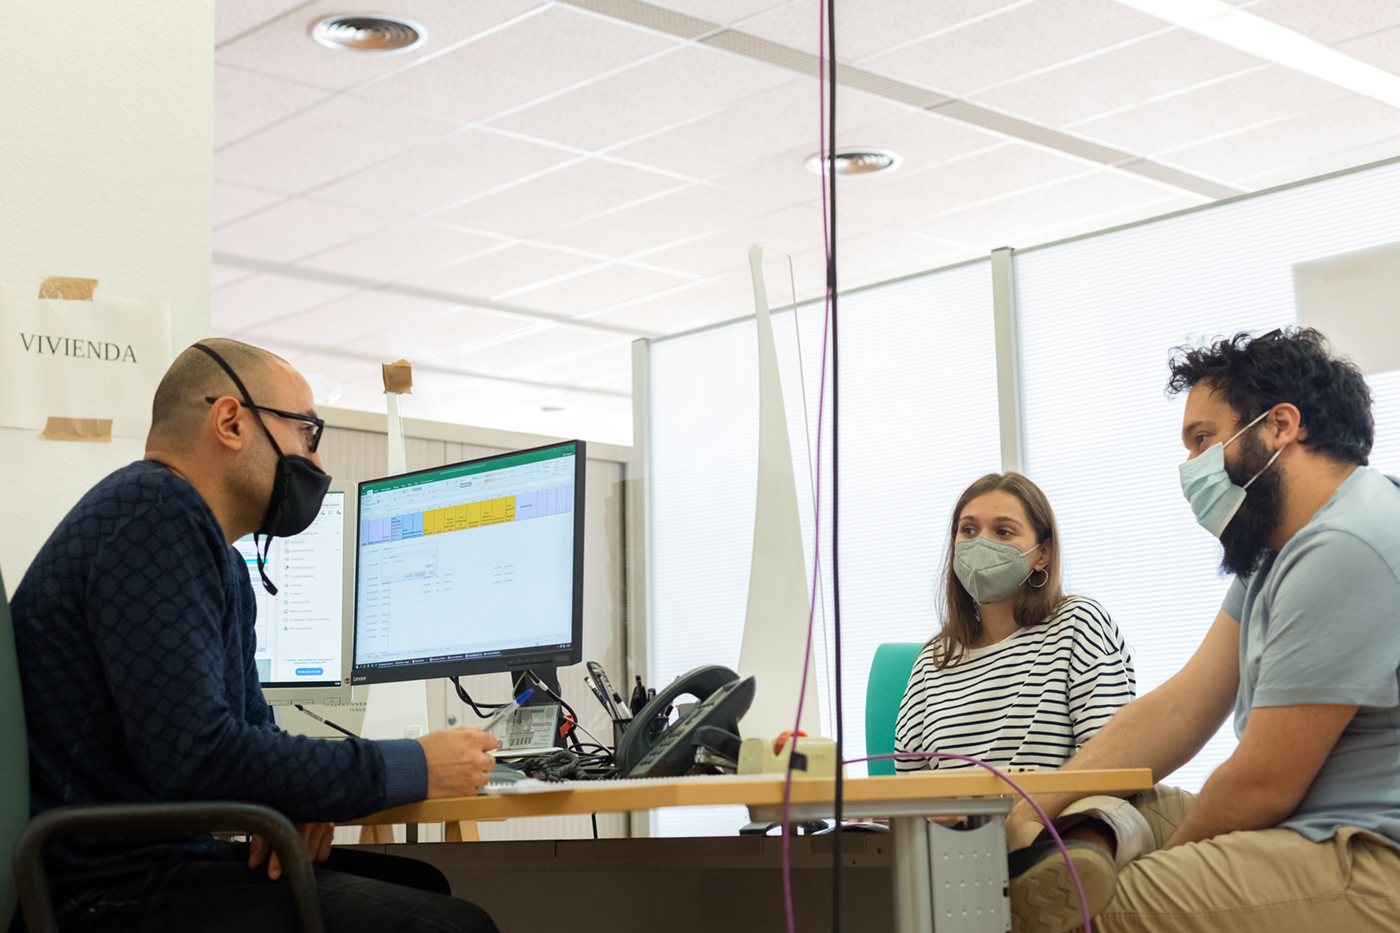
458,761
317,837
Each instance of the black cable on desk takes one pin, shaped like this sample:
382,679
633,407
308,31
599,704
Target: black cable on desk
476,707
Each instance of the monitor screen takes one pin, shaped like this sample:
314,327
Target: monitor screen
301,630
471,568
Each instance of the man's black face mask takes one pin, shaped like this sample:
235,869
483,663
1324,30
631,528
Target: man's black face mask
1246,538
298,486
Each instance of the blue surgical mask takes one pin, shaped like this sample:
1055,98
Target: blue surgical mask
990,570
1214,497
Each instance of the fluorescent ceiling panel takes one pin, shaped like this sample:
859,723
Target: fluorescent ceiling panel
1266,39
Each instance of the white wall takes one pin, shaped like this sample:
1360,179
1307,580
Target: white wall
106,172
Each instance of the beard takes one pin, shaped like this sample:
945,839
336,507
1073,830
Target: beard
1246,538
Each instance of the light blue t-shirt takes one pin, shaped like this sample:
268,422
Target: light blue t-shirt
1320,623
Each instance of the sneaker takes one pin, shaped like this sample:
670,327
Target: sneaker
1043,899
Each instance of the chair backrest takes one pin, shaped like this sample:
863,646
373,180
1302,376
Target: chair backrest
889,675
14,762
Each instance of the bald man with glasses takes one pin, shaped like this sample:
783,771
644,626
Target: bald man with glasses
134,630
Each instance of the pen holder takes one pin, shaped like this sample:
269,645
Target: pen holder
619,730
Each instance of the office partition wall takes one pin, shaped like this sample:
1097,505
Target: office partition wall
1096,319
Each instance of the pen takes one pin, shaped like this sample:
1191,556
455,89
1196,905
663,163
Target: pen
506,710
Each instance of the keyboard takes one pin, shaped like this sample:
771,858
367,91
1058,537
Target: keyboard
536,786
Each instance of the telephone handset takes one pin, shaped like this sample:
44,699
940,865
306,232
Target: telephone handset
723,700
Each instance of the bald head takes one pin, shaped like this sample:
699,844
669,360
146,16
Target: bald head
179,409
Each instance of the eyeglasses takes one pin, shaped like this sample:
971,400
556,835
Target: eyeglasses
318,424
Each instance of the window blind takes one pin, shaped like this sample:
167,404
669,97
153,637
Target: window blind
1098,317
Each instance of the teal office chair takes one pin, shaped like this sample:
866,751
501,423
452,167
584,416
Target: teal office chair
28,839
889,675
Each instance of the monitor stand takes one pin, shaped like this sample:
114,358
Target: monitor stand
520,680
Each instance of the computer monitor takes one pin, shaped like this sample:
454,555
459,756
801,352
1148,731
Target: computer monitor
305,631
471,568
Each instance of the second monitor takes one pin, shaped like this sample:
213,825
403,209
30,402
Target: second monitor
471,568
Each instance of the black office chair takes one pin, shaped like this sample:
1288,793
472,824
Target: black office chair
30,838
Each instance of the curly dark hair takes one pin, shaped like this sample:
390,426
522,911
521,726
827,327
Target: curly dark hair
1290,365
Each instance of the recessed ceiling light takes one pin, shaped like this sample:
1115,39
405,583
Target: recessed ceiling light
857,162
1273,42
369,33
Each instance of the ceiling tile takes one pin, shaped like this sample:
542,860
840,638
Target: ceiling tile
399,251
1305,137
921,139
583,367
245,102
651,95
444,171
1157,65
1381,48
689,212
1332,162
900,198
888,254
223,275
1028,218
1218,108
764,125
788,231
719,298
1083,225
554,199
538,344
295,228
502,271
247,302
719,11
350,319
234,201
589,291
864,27
431,337
924,139
1023,39
538,56
233,19
1330,21
329,141
284,47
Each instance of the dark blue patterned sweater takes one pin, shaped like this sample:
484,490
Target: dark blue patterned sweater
134,626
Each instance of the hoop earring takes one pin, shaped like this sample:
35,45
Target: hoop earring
1044,578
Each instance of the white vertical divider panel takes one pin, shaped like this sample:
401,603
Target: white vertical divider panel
1098,317
774,649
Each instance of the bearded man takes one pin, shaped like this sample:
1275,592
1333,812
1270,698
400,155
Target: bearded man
1300,828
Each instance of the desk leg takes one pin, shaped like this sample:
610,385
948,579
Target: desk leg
912,876
969,877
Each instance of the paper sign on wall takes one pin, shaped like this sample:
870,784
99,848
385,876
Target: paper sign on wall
96,359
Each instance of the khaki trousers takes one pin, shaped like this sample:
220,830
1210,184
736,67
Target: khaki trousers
1264,881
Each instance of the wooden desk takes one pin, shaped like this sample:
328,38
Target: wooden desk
973,886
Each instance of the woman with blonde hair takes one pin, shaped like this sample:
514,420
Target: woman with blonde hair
1020,675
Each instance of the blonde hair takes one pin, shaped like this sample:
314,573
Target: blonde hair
1035,605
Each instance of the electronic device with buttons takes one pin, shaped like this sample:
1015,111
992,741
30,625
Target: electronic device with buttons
305,631
652,747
